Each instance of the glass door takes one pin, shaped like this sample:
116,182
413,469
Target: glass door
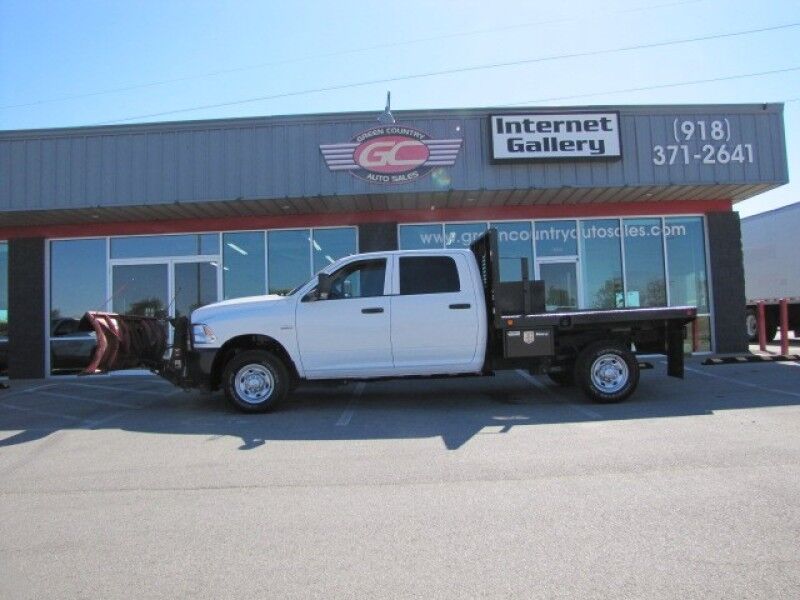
141,289
195,285
560,284
172,288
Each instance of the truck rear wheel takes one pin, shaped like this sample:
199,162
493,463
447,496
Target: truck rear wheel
607,372
255,381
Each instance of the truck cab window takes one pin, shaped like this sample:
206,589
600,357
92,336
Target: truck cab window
428,275
361,279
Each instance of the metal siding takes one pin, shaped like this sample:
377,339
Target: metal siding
279,158
5,176
61,193
763,145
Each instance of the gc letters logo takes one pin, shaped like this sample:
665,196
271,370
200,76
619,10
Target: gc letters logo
391,154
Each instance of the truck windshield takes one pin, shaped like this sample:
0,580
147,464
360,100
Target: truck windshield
302,285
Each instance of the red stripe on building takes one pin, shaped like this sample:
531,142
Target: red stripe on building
489,213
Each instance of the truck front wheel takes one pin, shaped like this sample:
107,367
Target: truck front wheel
255,380
607,372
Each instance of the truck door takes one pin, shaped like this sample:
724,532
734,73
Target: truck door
347,334
435,320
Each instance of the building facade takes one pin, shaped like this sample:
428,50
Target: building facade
611,206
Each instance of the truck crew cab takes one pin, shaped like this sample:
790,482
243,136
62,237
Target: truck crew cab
391,315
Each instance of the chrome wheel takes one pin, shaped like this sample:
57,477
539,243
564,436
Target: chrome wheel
254,383
609,373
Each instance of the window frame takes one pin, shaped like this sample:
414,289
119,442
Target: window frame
307,294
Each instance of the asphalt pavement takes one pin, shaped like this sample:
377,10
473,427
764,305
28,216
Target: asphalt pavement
503,487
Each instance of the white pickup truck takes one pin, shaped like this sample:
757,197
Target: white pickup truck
393,314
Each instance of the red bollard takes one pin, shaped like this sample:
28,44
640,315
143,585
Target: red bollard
784,326
762,326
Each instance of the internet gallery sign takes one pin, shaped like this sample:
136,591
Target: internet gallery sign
555,136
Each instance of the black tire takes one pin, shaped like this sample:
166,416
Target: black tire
269,381
751,326
563,378
621,365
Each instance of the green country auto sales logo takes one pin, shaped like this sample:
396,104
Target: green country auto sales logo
391,154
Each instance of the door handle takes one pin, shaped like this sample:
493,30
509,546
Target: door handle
460,306
372,311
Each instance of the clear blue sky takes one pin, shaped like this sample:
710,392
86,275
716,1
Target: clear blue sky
229,51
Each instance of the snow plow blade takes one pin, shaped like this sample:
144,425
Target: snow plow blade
125,342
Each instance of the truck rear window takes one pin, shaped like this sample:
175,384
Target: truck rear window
428,275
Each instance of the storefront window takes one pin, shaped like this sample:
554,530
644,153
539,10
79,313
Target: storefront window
332,244
145,246
461,235
514,242
243,272
601,263
644,263
421,237
77,285
556,238
289,259
686,257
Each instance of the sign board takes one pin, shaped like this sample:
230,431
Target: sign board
391,154
563,136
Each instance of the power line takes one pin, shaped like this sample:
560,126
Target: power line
456,70
661,86
333,54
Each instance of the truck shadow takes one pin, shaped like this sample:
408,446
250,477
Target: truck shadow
453,410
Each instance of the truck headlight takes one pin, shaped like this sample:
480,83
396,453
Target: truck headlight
203,334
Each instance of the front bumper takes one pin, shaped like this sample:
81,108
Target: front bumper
199,363
193,371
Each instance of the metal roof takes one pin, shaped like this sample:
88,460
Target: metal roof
273,165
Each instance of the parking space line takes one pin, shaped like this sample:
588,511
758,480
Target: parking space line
546,389
347,414
744,383
88,399
42,412
27,390
114,389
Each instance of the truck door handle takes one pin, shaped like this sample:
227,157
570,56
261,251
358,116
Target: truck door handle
459,306
372,311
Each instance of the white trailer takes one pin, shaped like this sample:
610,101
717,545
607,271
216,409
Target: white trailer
771,246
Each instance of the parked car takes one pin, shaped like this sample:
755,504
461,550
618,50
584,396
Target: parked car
70,349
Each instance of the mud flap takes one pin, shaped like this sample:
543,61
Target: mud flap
675,334
125,342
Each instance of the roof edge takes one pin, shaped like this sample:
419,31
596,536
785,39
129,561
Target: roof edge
195,124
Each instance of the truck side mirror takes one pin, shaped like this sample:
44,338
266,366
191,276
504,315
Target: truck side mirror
324,284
